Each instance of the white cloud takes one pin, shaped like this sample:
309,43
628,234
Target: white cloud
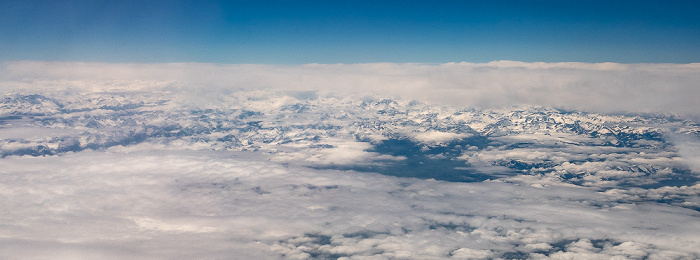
606,87
333,151
163,175
435,137
205,204
689,148
468,253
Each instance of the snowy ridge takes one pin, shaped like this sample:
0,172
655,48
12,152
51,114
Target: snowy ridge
295,175
307,129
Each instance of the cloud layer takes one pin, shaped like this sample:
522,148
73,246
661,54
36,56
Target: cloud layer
146,161
600,87
168,204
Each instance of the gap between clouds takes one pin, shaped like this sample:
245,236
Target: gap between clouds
596,87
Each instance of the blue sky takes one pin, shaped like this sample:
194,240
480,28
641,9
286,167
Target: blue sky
297,32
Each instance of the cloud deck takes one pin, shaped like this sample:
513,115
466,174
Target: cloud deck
99,166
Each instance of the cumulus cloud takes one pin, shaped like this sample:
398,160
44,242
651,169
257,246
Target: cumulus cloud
603,87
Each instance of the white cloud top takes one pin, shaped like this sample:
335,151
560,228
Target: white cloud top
601,87
202,161
166,204
435,137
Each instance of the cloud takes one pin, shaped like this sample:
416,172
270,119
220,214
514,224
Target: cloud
689,148
369,134
209,204
133,160
435,137
601,87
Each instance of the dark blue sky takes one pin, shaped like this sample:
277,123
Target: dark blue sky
293,32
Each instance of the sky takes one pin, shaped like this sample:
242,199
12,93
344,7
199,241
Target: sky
276,129
301,32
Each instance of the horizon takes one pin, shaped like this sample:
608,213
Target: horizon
321,129
610,87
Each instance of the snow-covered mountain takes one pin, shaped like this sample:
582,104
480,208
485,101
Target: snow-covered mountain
395,137
484,181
